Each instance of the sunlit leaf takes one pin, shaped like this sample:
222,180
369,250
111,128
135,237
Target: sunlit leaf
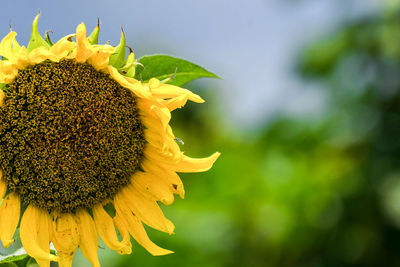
175,71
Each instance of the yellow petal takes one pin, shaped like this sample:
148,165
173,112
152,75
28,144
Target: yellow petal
31,226
106,230
22,60
8,71
196,165
135,87
41,54
6,46
123,230
170,91
149,184
176,102
136,228
65,237
163,159
88,236
99,60
63,47
170,177
83,47
147,210
9,214
43,235
154,83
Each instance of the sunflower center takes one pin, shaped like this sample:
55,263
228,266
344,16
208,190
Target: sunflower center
70,136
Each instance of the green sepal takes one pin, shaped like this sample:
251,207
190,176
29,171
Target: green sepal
170,70
117,59
94,36
47,38
36,40
130,66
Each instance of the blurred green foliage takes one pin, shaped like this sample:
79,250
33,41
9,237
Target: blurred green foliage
300,192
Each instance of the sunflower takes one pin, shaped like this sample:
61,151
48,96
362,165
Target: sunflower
86,150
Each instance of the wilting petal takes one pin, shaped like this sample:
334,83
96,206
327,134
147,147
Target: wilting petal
136,228
9,218
88,236
106,230
32,224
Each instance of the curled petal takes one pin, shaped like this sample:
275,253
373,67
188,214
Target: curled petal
6,46
188,164
135,86
123,230
136,228
171,91
105,228
32,225
176,102
83,47
147,210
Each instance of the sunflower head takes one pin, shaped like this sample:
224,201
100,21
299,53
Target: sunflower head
78,133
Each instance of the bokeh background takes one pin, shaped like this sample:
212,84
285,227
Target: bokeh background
307,117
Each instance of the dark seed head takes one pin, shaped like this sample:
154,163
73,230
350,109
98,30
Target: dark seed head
70,136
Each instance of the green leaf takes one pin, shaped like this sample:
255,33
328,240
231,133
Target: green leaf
36,40
118,58
94,36
164,67
8,264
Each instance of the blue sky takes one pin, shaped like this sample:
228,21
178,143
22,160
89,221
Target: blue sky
251,44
